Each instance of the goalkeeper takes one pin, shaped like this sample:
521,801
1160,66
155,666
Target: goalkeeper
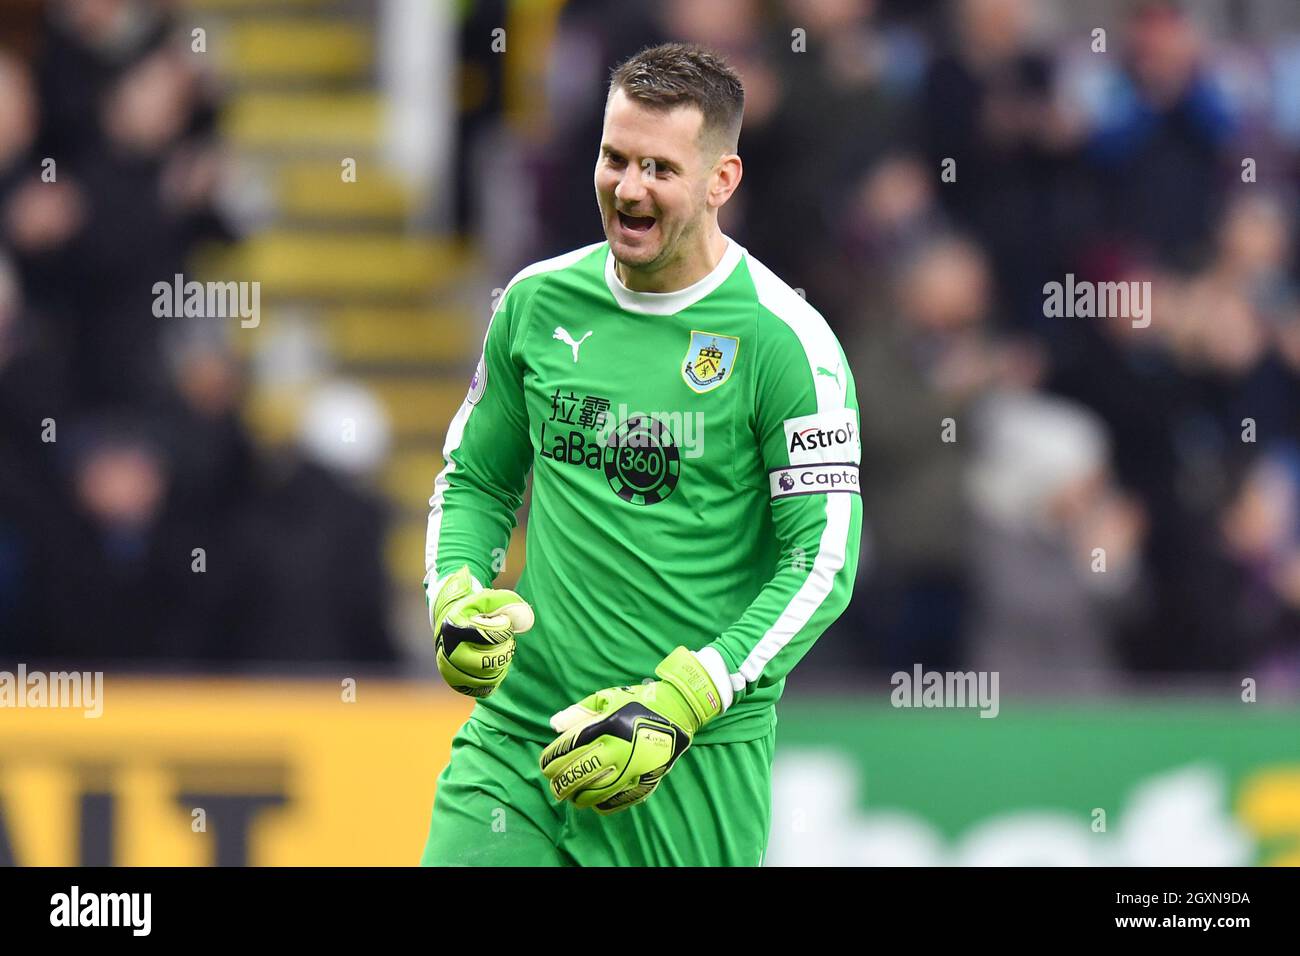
692,431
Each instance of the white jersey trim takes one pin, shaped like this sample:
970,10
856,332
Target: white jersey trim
822,350
670,303
831,554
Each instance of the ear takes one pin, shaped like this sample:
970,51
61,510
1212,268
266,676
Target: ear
724,180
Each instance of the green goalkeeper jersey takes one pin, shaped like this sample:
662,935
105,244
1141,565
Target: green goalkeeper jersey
695,481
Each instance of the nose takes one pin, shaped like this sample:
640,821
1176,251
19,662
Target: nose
631,187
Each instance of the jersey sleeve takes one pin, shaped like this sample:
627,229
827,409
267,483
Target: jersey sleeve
486,457
806,424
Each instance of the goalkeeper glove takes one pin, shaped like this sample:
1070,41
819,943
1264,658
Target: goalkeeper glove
474,629
616,744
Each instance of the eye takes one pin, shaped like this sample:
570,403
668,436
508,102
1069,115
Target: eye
614,160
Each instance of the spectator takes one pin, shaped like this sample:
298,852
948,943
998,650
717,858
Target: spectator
1055,547
917,370
305,575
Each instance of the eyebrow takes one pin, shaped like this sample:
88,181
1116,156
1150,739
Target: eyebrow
607,150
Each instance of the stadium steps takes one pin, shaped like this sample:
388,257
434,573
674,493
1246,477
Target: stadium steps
225,7
312,192
303,97
418,405
327,264
377,335
408,478
298,50
419,408
346,123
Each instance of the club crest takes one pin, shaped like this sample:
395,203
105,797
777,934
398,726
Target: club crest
709,360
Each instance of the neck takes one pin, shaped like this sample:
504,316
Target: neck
692,266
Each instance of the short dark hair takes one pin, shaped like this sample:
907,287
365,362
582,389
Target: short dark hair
675,74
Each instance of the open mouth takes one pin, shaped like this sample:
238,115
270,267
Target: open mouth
637,224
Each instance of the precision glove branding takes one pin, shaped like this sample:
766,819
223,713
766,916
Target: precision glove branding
566,779
632,734
497,660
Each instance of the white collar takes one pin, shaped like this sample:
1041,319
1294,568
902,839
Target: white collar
669,303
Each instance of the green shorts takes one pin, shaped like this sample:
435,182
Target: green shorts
493,808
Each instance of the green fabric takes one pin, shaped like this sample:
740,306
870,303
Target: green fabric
679,534
493,808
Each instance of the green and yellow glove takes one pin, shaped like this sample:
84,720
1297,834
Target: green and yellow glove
616,744
474,629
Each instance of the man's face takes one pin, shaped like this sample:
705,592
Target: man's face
651,181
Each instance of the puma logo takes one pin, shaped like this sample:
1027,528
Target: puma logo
562,334
835,375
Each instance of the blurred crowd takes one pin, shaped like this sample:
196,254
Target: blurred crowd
138,521
1066,500
1069,499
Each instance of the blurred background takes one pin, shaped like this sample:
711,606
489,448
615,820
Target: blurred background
226,514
